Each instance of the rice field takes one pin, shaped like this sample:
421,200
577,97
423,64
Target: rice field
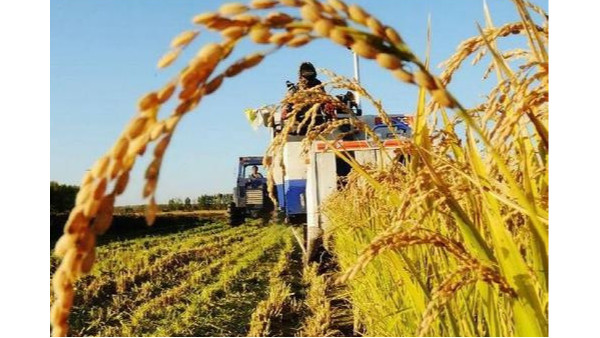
176,284
211,280
451,242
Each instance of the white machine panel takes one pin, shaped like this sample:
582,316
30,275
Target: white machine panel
366,157
321,182
295,166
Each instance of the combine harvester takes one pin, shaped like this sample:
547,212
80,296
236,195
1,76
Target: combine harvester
306,180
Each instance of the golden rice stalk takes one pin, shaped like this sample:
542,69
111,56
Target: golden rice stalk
100,167
115,169
148,101
339,5
183,39
341,37
323,27
252,60
75,224
363,49
220,23
151,211
403,75
167,59
234,33
278,20
376,26
393,36
157,130
171,123
281,38
310,12
260,34
87,179
183,108
105,214
444,292
443,98
424,79
120,148
128,161
83,194
299,41
122,183
100,188
472,45
149,189
297,30
388,61
358,14
292,3
327,8
213,85
247,19
187,92
165,94
205,18
162,146
233,8
263,4
211,53
88,261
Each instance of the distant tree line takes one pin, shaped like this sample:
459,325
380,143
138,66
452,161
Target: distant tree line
203,202
62,197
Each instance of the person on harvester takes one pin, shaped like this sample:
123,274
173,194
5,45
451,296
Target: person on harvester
307,79
307,76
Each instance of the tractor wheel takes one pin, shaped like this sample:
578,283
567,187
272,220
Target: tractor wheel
254,214
235,215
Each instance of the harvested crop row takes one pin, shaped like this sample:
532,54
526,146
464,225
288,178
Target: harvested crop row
318,323
112,255
145,316
187,317
154,239
139,259
104,297
168,264
279,295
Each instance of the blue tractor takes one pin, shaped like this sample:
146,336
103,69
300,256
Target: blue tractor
250,195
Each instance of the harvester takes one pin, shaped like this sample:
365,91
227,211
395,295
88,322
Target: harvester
310,177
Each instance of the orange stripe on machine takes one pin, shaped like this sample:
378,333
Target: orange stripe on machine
322,146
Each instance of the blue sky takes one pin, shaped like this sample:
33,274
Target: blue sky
103,58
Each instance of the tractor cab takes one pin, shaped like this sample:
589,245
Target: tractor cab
250,196
250,172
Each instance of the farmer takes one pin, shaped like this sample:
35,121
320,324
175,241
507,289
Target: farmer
307,79
255,174
307,76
